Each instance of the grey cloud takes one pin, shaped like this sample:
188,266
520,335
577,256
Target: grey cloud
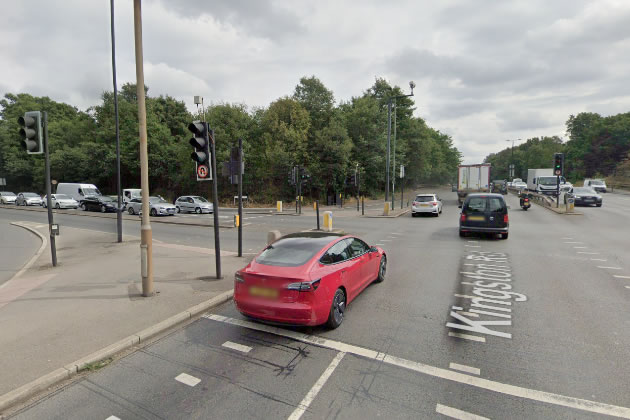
513,120
264,18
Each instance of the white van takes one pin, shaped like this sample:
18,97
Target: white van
598,185
131,193
78,191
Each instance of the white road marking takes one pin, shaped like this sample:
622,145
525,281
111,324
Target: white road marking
454,413
621,277
112,418
310,396
465,296
495,386
473,246
464,368
588,253
609,268
236,346
627,287
467,337
575,242
567,238
580,247
187,379
598,259
474,242
468,314
386,240
379,244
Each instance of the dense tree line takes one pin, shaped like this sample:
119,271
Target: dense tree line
597,147
306,128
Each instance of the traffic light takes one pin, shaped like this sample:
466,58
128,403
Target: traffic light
31,132
201,142
304,175
558,164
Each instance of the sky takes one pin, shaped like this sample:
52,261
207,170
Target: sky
486,71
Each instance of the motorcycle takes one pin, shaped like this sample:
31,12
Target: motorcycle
525,203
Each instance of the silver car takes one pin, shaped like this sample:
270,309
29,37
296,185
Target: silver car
61,201
193,203
28,199
157,207
426,203
7,197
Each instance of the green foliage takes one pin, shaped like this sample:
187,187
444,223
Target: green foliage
306,129
595,147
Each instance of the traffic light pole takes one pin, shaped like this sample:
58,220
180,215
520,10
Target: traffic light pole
215,205
558,191
118,186
53,247
389,133
297,188
240,197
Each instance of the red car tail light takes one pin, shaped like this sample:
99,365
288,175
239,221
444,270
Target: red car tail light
462,218
415,203
304,286
506,219
434,203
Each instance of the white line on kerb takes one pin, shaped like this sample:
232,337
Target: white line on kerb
621,277
609,268
187,379
236,346
513,390
454,413
467,337
310,396
464,368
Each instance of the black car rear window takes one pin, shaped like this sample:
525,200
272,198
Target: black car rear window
496,204
476,205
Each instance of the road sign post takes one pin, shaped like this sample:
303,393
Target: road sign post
240,197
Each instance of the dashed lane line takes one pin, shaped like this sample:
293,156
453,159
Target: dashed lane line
621,277
575,242
187,379
454,413
237,347
598,259
580,247
609,268
627,287
487,384
464,368
588,253
312,393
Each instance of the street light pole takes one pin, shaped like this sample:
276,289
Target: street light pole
512,158
118,183
412,85
146,236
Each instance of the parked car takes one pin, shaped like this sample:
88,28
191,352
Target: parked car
60,201
7,197
598,185
484,213
98,203
426,203
28,199
307,278
157,206
586,196
193,203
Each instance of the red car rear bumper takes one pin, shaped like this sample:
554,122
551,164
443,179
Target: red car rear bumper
309,309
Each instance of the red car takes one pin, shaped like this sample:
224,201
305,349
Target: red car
307,278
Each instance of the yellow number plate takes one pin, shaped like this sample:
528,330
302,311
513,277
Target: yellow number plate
263,292
476,218
425,205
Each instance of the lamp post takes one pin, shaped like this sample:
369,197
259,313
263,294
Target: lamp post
390,99
512,158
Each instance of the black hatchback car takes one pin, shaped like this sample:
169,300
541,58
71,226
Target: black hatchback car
586,196
484,213
98,203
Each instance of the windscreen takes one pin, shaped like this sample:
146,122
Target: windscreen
200,199
91,191
597,183
30,195
157,200
291,252
62,197
547,180
583,190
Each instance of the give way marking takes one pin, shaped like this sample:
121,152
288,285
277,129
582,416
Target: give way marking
449,375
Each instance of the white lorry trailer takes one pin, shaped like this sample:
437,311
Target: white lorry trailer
472,179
